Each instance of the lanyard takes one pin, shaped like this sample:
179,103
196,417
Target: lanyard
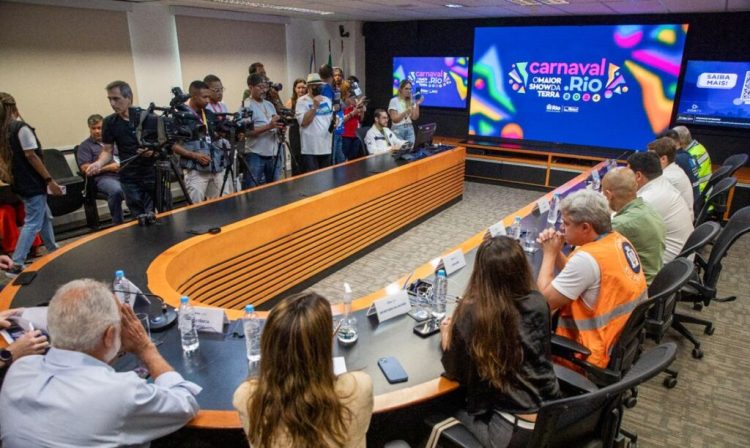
385,136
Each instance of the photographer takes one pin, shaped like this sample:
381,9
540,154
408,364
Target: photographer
202,162
217,95
262,142
314,113
137,172
255,67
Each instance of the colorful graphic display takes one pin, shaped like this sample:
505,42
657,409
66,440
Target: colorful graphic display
444,81
610,86
715,93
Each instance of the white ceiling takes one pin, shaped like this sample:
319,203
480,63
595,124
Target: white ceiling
388,10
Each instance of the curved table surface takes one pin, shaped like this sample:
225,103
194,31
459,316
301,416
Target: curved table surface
220,364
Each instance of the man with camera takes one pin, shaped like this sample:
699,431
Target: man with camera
137,172
201,160
216,105
262,142
314,113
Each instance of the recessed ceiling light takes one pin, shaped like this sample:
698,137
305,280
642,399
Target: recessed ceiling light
453,5
250,4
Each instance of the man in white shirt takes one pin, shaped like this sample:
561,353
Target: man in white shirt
666,150
216,105
314,112
72,397
262,142
656,191
379,138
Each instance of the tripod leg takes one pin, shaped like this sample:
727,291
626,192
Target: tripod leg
244,164
162,186
180,180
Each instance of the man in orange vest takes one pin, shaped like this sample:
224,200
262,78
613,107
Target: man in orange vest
599,284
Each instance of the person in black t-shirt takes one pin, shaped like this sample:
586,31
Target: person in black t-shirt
137,172
22,167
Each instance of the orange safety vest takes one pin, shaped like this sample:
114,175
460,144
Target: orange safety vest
622,288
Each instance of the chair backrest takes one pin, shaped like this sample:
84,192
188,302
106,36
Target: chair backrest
738,225
701,236
717,199
361,134
596,415
716,176
56,164
663,292
736,162
626,350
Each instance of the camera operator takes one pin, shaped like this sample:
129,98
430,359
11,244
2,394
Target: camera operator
137,172
202,162
255,67
217,95
314,113
262,143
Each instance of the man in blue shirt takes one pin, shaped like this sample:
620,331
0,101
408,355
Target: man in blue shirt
72,396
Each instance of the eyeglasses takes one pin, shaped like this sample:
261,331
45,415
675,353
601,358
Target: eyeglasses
218,90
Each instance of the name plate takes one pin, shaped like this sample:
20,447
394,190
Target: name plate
543,205
454,261
390,306
497,229
210,320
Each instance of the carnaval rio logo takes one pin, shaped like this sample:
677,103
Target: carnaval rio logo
430,80
576,81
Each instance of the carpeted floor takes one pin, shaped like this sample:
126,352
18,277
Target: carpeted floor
710,407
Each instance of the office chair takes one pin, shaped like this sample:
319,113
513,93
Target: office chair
736,161
702,236
701,290
663,292
59,169
716,176
716,201
361,134
591,419
92,194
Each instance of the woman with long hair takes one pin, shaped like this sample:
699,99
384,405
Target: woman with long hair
299,88
21,166
402,110
297,401
497,345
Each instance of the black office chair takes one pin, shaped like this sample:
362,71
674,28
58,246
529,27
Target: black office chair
91,194
716,202
591,419
721,173
701,291
663,292
361,134
702,236
736,162
59,169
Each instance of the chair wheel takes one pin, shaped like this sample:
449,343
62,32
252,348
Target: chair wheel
670,382
697,353
630,402
709,330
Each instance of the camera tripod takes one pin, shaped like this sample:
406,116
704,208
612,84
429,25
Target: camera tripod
164,167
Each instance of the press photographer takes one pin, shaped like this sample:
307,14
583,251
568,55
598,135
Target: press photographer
202,162
263,143
137,175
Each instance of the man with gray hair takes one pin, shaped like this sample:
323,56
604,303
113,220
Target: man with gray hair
599,284
702,166
72,397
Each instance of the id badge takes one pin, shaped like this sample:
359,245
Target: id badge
208,139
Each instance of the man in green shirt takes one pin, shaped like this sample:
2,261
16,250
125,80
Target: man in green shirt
635,219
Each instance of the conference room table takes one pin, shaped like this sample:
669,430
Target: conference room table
220,364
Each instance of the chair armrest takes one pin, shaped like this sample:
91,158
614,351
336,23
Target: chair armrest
566,348
704,291
574,379
598,375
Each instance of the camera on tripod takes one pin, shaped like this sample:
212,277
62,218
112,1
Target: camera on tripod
159,131
230,124
286,116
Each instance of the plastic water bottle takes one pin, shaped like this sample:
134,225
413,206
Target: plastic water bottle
252,326
440,294
348,333
122,287
515,229
596,180
554,209
186,323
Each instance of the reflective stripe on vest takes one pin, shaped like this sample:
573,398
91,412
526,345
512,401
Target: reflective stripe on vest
702,159
599,321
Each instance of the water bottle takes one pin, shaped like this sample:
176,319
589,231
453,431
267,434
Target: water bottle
252,326
554,209
440,295
188,331
515,229
348,333
596,181
122,287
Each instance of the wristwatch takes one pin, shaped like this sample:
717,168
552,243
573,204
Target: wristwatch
6,356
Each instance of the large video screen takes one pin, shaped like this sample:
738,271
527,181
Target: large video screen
606,86
715,93
444,81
